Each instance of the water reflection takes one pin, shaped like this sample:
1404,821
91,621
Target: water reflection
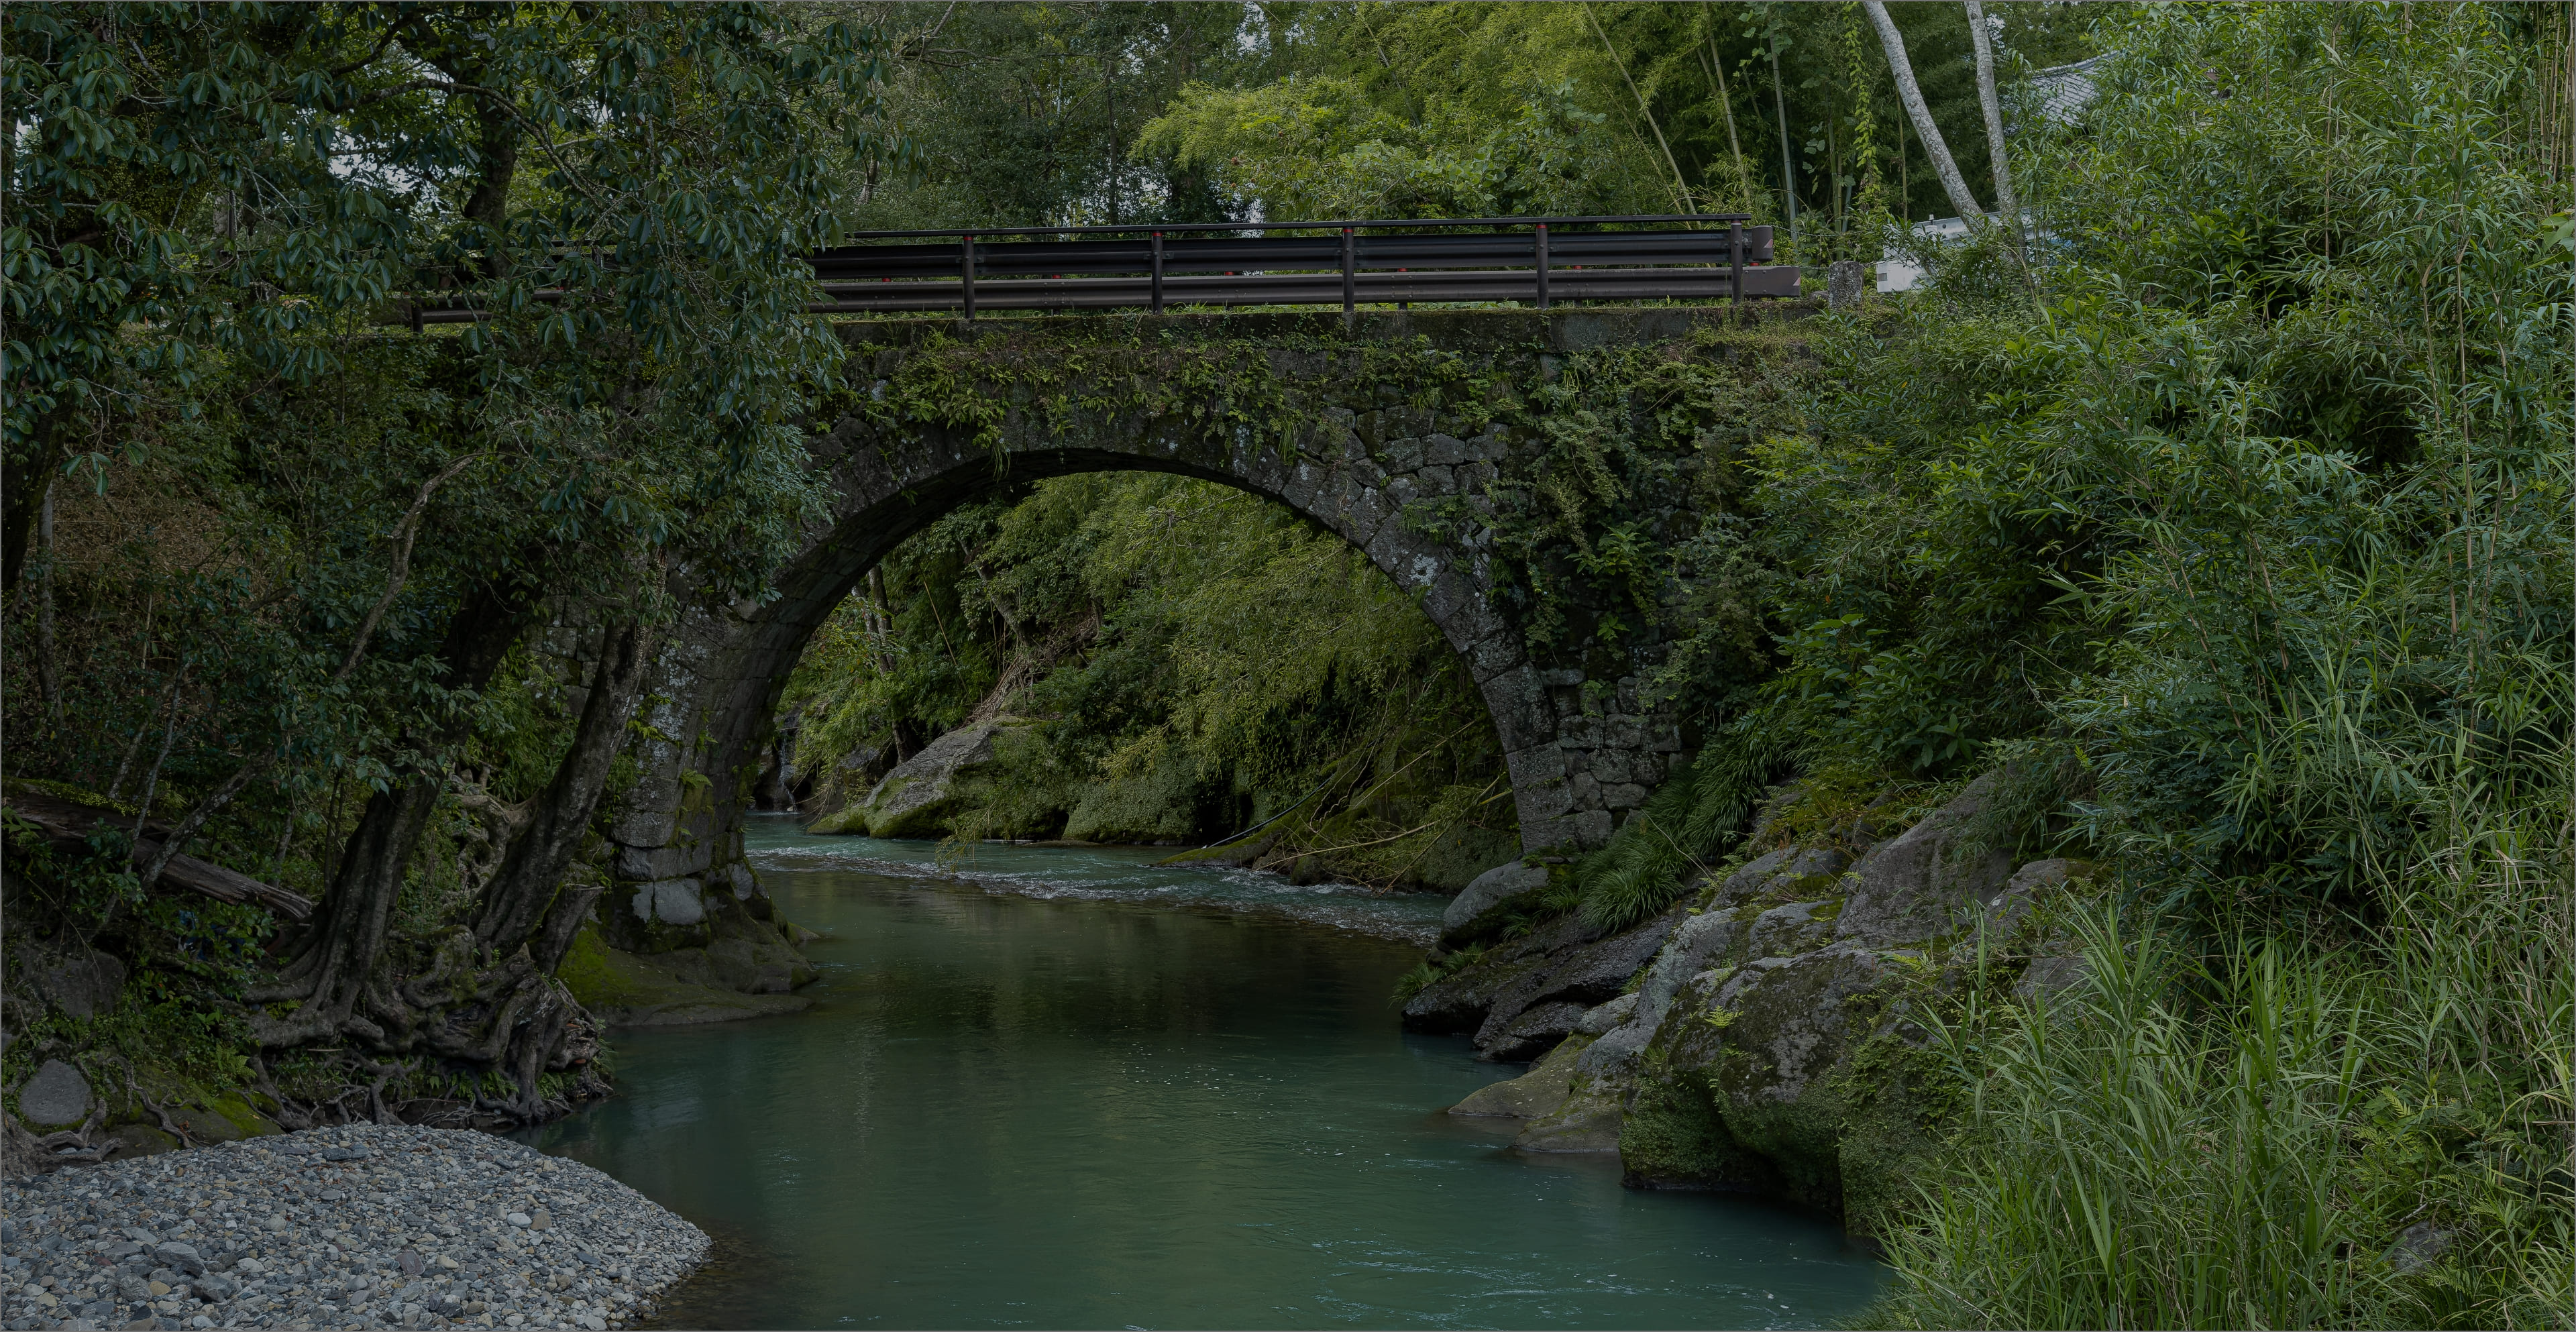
1080,1109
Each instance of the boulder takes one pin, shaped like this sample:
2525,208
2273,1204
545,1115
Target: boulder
915,798
83,985
1533,1095
2030,885
1577,973
2045,977
1531,1032
1587,1119
1790,928
1927,882
1471,913
56,1097
1686,954
1601,1020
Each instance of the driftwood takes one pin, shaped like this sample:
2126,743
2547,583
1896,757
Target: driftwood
68,824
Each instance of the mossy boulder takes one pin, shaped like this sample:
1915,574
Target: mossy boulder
919,795
1767,1040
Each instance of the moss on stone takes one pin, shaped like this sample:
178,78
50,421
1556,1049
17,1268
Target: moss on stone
601,977
1673,1136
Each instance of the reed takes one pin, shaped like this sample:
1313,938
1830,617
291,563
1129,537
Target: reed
2250,1130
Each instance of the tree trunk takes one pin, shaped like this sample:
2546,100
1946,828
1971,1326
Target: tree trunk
1911,94
331,969
1788,170
46,674
2004,200
25,483
520,889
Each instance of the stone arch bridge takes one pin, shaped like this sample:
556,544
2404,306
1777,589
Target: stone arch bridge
938,412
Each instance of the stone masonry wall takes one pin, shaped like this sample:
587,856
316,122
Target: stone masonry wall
1583,748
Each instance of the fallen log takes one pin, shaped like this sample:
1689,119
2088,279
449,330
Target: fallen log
68,824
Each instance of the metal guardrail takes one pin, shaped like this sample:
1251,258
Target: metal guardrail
1349,263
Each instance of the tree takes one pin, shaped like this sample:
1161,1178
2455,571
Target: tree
1986,100
1925,131
220,205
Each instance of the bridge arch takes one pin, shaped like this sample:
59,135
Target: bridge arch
1362,462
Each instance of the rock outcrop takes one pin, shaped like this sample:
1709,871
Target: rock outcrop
916,796
1759,1039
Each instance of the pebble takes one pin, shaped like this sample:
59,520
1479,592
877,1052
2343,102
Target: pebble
360,1227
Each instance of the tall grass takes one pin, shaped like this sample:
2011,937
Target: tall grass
2372,1130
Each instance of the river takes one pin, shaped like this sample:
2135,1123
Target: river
1064,1088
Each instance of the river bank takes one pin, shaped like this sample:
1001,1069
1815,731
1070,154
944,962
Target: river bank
360,1226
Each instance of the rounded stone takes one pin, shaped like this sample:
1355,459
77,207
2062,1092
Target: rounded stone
57,1097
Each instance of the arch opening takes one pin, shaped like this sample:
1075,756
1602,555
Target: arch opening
1089,650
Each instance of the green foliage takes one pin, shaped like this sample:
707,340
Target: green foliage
189,962
2278,568
1315,147
1193,660
272,502
1684,827
2250,1137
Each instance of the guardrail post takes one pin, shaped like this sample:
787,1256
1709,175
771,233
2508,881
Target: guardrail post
1157,246
1350,276
1735,261
1541,247
966,271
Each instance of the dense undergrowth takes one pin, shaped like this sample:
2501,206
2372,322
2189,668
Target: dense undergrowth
2241,534
1194,662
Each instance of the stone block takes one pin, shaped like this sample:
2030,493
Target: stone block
1561,676
1445,451
1622,795
671,901
1614,765
661,862
1591,828
1587,790
1543,800
1579,732
1299,491
1550,833
1401,455
1495,655
1535,764
1368,512
652,810
1435,481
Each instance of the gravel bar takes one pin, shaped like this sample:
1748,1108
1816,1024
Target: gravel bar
362,1226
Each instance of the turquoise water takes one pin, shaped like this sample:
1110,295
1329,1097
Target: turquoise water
1071,1090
